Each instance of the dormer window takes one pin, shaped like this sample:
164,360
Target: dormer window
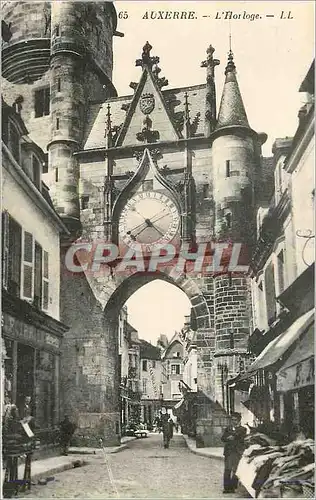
11,137
36,171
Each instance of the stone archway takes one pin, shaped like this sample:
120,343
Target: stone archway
90,370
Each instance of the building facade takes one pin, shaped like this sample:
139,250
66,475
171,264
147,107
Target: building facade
279,385
172,370
151,371
167,146
130,388
31,229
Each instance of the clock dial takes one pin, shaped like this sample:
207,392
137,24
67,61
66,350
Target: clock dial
149,218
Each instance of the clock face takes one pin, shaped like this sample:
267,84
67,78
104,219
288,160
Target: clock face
149,218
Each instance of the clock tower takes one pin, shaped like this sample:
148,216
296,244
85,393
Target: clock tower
173,171
157,166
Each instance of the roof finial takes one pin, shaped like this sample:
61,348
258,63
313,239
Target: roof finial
186,116
108,129
108,118
230,64
230,37
147,60
230,67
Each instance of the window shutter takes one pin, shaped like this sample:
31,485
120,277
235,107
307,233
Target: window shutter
45,281
38,275
28,264
14,257
5,249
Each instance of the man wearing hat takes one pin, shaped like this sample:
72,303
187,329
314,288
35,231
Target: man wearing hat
233,437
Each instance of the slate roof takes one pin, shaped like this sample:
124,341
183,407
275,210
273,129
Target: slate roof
148,351
231,111
96,119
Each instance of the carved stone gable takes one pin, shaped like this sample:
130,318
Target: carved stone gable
147,103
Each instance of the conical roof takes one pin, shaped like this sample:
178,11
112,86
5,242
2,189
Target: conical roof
231,111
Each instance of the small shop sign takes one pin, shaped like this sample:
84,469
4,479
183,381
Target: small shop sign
26,332
296,376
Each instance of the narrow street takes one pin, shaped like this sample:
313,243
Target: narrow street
144,470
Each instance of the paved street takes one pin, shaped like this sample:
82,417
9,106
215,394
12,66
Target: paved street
144,470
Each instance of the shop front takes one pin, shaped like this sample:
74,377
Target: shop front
279,456
32,343
295,384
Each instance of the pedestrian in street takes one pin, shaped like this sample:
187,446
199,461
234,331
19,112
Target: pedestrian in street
233,437
167,428
66,431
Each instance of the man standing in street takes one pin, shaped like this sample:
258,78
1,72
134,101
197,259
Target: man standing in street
66,429
167,427
233,437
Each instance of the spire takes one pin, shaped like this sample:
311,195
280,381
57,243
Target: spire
210,104
187,128
232,111
108,129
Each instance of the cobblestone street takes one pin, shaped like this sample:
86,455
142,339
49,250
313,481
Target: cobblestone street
144,470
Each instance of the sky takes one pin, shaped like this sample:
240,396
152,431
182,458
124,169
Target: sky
156,308
272,56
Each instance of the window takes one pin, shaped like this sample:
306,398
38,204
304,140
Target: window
45,281
228,219
56,174
84,202
11,254
154,364
145,365
42,102
58,85
205,190
28,260
57,123
227,168
57,31
36,171
175,369
45,165
144,386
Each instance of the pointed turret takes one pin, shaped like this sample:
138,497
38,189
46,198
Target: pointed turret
232,111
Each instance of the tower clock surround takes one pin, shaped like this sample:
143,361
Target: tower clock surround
149,218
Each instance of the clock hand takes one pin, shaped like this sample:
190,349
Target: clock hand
156,220
136,227
148,224
158,230
152,219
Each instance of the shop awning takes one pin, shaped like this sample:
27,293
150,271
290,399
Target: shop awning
278,346
179,404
